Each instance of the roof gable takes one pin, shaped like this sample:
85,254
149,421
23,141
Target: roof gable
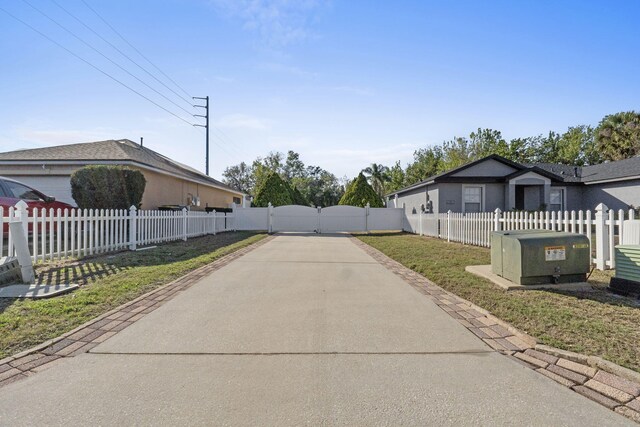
111,151
487,167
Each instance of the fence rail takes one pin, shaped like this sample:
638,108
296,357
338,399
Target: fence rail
61,234
604,228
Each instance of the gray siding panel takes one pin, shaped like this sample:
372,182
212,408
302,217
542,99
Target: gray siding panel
489,167
413,199
618,195
494,197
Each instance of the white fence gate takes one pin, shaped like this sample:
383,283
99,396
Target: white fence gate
320,220
294,218
343,218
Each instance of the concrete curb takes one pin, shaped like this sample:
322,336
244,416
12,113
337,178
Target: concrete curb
88,335
604,382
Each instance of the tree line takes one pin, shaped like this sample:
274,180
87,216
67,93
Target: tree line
616,137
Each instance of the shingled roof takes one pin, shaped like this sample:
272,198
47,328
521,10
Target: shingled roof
110,150
568,174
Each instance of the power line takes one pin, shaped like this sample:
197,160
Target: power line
120,51
92,65
103,55
134,48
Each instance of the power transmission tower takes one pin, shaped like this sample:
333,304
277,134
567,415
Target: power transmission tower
206,125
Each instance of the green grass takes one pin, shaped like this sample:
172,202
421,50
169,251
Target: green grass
594,323
106,282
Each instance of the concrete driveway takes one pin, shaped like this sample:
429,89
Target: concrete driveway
305,329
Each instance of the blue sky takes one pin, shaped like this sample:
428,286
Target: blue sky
344,83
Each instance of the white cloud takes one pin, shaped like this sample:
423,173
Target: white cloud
362,91
287,69
243,121
279,22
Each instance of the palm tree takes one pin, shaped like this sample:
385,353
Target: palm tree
377,175
618,135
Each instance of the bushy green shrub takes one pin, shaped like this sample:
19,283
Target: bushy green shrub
107,187
359,193
297,197
274,190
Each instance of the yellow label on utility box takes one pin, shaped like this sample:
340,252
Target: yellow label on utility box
555,253
581,246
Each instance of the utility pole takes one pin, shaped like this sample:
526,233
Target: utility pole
206,126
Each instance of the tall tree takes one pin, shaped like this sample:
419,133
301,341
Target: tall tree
485,142
240,177
577,147
360,193
377,175
618,135
426,162
273,190
396,178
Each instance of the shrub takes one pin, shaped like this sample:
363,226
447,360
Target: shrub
297,197
107,187
359,193
274,190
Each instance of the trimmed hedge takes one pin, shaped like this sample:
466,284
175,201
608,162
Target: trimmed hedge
107,187
359,193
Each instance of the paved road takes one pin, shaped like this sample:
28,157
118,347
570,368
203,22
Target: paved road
306,329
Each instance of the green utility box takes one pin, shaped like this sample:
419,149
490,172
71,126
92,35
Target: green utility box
627,279
496,246
531,257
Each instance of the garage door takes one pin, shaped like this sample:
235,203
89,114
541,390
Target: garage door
55,186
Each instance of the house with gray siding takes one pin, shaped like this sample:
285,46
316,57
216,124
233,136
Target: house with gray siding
495,182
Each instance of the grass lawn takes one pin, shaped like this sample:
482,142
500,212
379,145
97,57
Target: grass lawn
106,281
594,323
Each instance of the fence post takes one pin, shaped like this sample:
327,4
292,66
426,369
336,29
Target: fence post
214,222
133,234
270,218
496,220
185,219
449,225
22,215
319,220
366,218
601,238
420,222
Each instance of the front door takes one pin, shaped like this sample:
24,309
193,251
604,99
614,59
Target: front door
520,197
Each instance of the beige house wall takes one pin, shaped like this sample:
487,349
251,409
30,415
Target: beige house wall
167,190
161,189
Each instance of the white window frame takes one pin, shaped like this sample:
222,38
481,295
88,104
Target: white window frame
563,198
482,196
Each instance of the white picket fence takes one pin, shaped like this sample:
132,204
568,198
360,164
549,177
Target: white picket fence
77,233
604,228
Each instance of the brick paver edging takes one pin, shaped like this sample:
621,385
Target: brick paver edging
612,386
85,337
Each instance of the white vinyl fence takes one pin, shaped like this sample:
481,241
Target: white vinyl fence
604,228
83,232
332,219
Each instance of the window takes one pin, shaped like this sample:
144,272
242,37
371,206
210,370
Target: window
472,199
556,199
237,200
21,192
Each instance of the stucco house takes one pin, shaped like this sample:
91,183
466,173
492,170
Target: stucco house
169,182
495,182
